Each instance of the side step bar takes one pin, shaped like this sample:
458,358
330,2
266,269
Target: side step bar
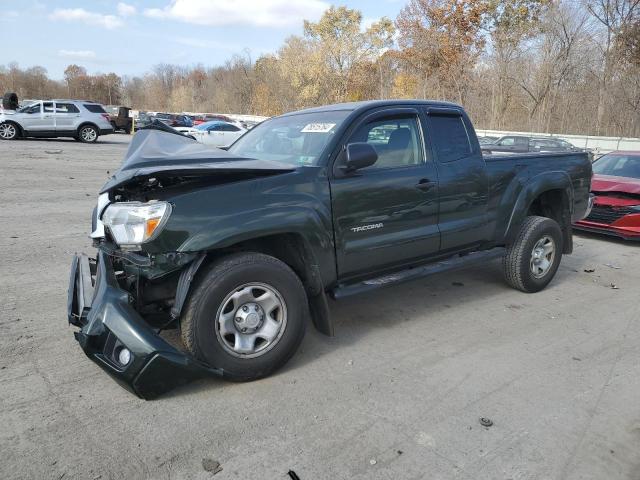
453,263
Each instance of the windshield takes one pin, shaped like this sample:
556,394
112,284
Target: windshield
298,140
618,165
26,107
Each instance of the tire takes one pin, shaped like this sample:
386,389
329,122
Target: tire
529,264
227,290
87,134
9,131
10,101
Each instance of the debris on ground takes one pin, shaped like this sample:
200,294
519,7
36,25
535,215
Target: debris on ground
350,362
53,152
615,267
373,461
576,359
486,422
211,465
614,286
589,270
293,475
457,284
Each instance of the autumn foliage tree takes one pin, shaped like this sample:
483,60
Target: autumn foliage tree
570,66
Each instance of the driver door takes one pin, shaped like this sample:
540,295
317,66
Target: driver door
386,214
214,136
39,118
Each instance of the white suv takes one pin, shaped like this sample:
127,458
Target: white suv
84,121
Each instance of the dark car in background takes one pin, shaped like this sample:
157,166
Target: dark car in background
524,144
174,120
616,186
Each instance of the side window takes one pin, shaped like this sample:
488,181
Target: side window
48,107
214,128
229,128
94,108
34,108
66,108
507,142
450,137
396,140
522,141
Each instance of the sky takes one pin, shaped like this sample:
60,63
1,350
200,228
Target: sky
129,37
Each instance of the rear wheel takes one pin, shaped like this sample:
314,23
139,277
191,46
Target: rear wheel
8,131
246,315
87,134
533,259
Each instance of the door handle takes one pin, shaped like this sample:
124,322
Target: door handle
425,184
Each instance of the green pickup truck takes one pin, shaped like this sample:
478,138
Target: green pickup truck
239,248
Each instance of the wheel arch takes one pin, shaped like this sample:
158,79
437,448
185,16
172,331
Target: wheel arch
293,249
84,124
547,195
18,126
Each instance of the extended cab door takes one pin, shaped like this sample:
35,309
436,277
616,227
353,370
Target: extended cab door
463,183
386,214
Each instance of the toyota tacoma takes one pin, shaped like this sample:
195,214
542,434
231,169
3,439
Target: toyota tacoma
238,248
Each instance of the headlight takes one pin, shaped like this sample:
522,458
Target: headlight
133,223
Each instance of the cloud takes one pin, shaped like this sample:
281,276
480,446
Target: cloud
90,18
77,54
260,13
126,10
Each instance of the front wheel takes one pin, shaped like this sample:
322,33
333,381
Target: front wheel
247,316
533,259
8,131
87,134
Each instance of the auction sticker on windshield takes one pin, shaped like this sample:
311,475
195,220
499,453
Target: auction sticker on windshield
318,127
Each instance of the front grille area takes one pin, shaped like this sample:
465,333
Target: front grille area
607,215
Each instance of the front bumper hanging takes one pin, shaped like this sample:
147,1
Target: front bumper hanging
109,324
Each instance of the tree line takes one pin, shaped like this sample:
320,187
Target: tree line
570,66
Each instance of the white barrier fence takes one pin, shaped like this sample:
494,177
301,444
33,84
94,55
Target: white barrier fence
599,145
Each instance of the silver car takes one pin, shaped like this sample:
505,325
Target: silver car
82,120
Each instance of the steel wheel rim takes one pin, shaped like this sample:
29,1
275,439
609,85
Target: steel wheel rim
251,320
88,134
542,256
7,131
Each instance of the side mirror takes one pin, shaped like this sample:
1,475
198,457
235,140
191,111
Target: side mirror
359,155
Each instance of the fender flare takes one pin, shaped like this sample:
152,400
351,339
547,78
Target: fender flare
536,186
304,223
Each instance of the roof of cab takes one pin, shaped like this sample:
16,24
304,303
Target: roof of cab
367,104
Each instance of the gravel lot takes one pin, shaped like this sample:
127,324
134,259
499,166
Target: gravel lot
397,394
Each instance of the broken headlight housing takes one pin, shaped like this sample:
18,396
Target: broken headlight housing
134,223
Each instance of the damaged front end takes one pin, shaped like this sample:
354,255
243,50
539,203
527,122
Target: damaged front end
114,334
138,282
616,208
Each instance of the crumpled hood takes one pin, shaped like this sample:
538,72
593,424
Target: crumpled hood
611,184
161,152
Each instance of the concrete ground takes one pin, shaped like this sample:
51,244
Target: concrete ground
397,394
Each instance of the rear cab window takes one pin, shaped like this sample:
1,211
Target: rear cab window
450,137
94,107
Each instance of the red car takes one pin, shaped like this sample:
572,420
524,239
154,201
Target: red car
616,186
